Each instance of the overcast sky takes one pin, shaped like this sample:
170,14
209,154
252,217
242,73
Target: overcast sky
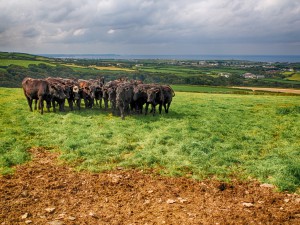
151,26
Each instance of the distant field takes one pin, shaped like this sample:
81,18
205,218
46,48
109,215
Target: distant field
205,135
182,71
205,89
108,68
171,69
295,76
24,63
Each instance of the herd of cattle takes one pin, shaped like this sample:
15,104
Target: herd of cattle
124,96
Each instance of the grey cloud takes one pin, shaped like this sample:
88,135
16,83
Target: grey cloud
143,23
30,33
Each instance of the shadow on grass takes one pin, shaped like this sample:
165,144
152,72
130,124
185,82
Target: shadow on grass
101,111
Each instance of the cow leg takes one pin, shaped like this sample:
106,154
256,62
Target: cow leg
122,112
61,105
29,100
105,103
146,108
168,106
53,105
41,105
35,104
160,108
165,107
70,102
153,109
48,104
78,103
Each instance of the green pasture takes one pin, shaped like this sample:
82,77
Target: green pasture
224,136
188,71
180,71
295,77
24,63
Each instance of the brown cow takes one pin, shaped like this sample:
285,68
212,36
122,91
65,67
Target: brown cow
35,89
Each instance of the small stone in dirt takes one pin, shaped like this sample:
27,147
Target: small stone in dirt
93,215
55,222
61,216
248,204
115,178
181,200
146,202
297,200
286,200
25,215
28,221
267,185
171,201
24,193
71,218
191,214
50,209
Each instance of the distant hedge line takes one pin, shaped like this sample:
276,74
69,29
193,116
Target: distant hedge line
12,76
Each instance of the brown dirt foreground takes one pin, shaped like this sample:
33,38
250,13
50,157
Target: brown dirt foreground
43,191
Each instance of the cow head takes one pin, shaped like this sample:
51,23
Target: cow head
76,93
111,93
57,91
152,94
67,91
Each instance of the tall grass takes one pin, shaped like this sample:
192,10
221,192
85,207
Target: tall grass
204,135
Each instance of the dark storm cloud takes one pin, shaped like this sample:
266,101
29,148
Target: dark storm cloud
149,26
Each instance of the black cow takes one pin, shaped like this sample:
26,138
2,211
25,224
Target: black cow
168,95
35,89
58,85
140,96
56,94
154,97
108,88
124,98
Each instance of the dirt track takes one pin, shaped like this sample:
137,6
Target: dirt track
44,192
282,90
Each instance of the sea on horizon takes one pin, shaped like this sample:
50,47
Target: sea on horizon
254,58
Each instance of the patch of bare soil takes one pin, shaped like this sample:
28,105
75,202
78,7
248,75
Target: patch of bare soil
46,192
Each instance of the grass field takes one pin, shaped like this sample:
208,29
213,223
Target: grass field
107,68
205,135
187,71
207,89
24,63
296,76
